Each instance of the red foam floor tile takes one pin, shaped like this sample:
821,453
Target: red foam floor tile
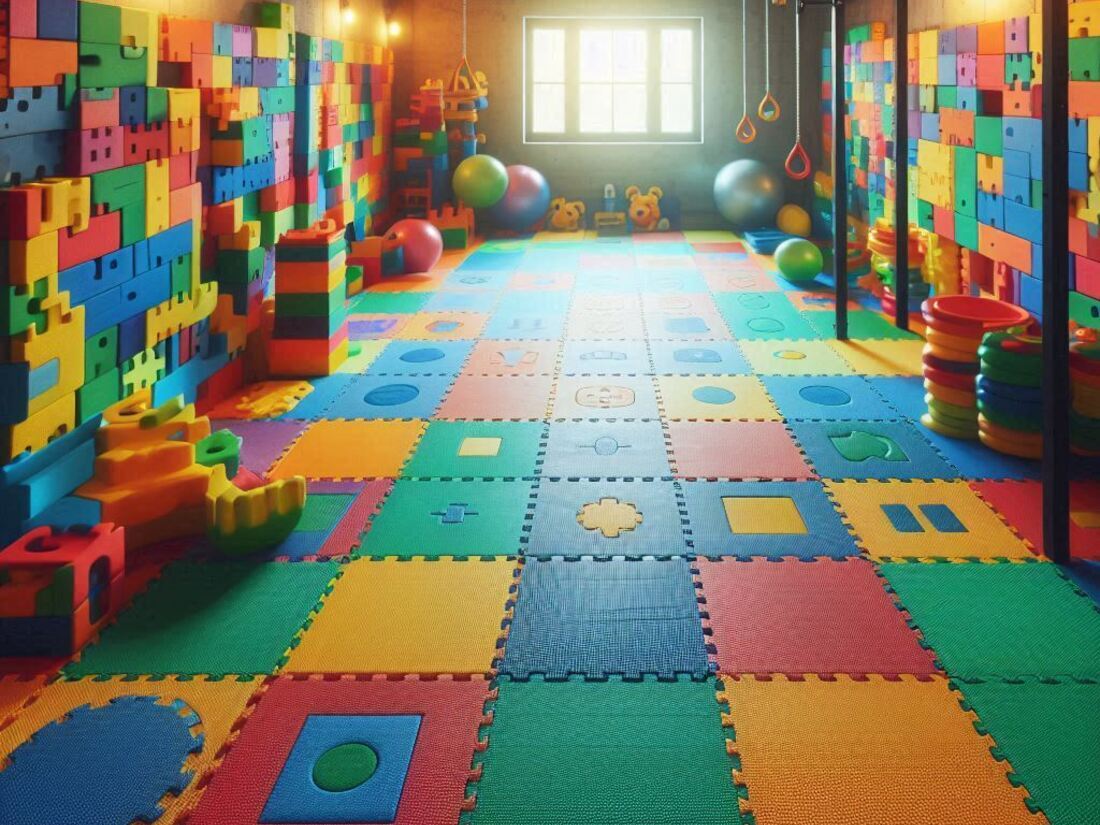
736,450
1020,504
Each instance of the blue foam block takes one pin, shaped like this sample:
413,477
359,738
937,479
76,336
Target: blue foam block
711,533
606,617
556,531
297,798
898,450
606,449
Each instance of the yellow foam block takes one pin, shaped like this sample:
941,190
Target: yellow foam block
135,421
713,397
875,751
165,320
763,516
32,259
217,704
34,432
982,534
423,617
61,343
350,450
66,203
881,357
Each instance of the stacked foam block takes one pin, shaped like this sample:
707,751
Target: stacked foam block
869,77
148,165
420,159
1009,393
310,333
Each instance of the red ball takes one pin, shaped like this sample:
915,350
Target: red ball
422,243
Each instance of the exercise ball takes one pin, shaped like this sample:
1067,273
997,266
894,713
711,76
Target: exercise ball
748,194
794,220
422,244
799,260
525,202
480,181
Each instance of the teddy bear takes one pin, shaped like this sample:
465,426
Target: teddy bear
645,210
566,216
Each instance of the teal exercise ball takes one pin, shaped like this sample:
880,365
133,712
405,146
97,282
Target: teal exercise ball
748,194
480,181
799,259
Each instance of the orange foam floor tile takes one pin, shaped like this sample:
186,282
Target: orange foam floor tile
350,450
498,397
513,358
874,752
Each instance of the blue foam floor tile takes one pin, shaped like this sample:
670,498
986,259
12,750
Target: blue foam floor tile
685,325
397,396
605,449
552,302
829,397
800,520
973,460
316,405
478,281
678,281
493,260
605,358
607,280
600,618
530,325
462,300
605,518
697,358
764,316
869,449
421,358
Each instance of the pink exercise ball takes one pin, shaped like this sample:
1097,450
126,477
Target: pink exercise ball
421,241
525,202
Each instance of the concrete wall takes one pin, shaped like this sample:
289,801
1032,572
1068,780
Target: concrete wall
430,45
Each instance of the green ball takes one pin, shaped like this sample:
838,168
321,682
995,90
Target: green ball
799,260
480,181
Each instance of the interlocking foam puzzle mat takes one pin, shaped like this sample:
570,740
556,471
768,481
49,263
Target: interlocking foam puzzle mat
597,531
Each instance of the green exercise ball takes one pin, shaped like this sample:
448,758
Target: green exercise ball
799,260
480,181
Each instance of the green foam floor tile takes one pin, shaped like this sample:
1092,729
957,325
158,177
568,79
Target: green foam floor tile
449,518
401,303
1050,733
1001,620
210,618
606,753
477,449
862,324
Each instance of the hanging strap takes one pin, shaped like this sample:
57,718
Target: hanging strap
746,132
798,164
768,110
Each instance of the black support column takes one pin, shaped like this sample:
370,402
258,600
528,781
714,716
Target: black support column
901,163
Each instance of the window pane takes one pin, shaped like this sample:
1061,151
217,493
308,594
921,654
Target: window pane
548,108
676,56
595,56
676,108
548,56
630,113
595,107
630,56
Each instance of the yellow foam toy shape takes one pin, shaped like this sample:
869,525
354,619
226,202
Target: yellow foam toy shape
425,617
244,521
610,516
763,516
266,399
135,421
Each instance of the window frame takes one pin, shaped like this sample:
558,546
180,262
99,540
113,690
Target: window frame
653,25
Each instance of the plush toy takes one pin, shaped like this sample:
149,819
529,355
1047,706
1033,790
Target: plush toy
566,216
645,210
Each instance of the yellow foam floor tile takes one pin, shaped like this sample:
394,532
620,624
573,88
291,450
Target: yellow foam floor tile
873,752
362,355
881,357
218,704
793,358
922,519
403,617
716,398
350,450
443,326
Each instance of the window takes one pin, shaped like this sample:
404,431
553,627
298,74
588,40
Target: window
613,80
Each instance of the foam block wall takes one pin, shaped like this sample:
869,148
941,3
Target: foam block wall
148,166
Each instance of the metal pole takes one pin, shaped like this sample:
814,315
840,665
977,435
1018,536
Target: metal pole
1056,386
840,175
901,163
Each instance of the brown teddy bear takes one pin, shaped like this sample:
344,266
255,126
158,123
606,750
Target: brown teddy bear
645,210
566,216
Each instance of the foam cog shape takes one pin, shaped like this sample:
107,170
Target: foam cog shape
112,763
610,516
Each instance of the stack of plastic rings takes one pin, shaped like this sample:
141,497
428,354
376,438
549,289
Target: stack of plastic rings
882,243
859,262
1010,398
955,325
1084,371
